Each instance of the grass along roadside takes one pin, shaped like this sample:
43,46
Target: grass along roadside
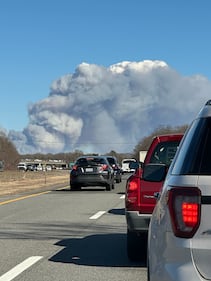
12,182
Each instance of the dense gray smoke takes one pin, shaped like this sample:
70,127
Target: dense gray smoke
99,109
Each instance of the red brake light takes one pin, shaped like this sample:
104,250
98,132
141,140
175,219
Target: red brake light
74,167
190,213
132,186
185,210
132,193
104,167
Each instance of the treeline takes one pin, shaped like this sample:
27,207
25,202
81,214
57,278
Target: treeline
10,156
146,141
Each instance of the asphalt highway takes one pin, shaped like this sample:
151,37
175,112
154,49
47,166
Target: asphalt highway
66,235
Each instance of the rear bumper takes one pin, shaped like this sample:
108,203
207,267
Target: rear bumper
90,180
137,222
175,272
117,175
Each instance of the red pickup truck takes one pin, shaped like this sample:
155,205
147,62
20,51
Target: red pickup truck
140,195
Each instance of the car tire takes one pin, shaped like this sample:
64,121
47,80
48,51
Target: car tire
136,246
109,186
118,180
74,187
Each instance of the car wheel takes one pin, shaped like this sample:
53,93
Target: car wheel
108,186
118,180
75,187
136,246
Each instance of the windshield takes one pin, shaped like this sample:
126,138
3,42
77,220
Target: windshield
128,161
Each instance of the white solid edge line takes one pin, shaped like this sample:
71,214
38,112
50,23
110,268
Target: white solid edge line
18,269
95,216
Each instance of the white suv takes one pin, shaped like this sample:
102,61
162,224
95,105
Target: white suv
126,165
179,240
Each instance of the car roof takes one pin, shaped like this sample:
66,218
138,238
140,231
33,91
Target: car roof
205,111
168,137
91,156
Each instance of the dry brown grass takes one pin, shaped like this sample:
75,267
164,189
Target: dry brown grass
12,182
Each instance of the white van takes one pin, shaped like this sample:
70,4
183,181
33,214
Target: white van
125,165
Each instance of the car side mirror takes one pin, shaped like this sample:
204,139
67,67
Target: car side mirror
154,172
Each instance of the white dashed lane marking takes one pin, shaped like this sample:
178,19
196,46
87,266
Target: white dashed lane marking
18,269
100,213
96,216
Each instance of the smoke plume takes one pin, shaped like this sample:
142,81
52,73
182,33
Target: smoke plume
99,109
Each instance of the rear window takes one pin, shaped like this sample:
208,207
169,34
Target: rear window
90,161
194,157
164,152
111,160
128,161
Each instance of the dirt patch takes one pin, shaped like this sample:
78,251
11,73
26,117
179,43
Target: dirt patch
12,182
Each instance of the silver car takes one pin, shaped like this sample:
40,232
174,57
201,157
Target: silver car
179,238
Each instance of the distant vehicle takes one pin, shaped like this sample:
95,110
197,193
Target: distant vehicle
139,195
179,243
116,167
39,167
126,165
25,166
92,171
31,167
48,168
22,166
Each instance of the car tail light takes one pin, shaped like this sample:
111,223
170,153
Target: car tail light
185,210
74,167
104,167
132,192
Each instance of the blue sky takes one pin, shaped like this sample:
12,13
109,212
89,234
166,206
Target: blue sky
42,40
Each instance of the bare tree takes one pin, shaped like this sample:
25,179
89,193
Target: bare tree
146,141
8,153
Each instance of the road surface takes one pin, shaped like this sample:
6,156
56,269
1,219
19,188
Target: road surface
66,235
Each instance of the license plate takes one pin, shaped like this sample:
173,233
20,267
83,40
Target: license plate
89,170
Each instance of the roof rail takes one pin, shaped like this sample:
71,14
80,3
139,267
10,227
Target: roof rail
208,102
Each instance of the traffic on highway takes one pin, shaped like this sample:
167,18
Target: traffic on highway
63,234
152,224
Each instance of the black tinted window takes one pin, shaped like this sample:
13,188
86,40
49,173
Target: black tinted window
194,156
111,161
90,161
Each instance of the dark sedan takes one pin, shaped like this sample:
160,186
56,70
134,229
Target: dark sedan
116,167
91,171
